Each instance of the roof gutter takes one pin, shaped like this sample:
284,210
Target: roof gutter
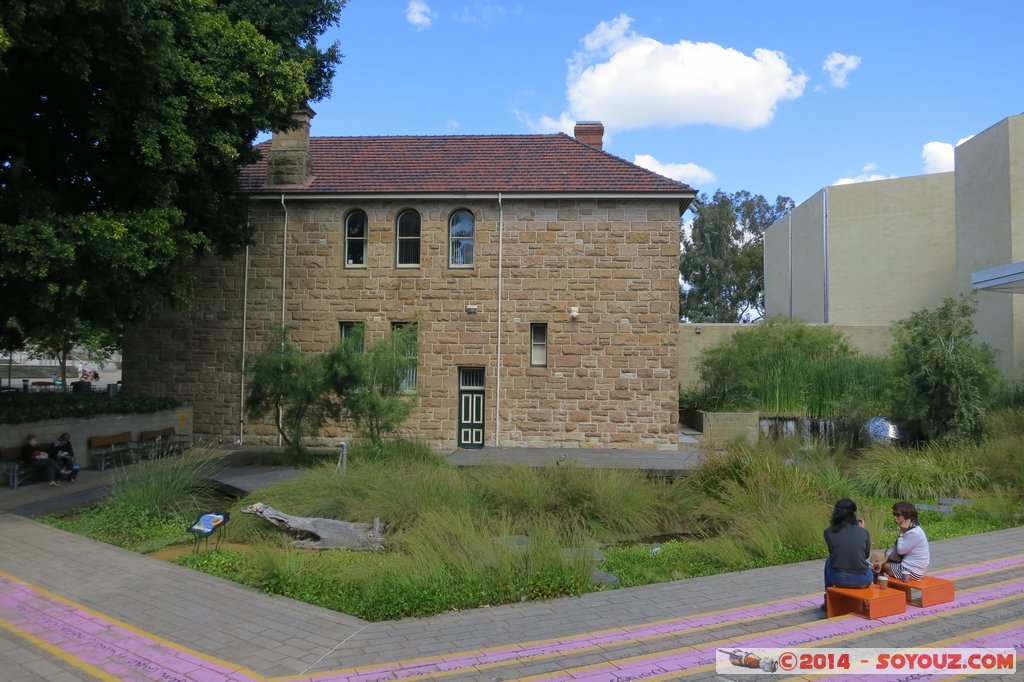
366,196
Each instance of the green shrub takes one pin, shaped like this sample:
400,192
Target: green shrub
19,408
947,379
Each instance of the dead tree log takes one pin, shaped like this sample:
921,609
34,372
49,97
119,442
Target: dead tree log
320,533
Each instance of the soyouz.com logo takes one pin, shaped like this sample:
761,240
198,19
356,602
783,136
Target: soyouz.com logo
925,661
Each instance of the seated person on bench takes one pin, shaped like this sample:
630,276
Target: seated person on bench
36,458
908,559
65,456
849,547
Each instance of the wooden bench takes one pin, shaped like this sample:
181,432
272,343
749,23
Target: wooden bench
14,466
930,591
120,447
160,442
867,602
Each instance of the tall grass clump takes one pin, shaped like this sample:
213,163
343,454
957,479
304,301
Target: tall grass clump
926,472
763,498
760,364
449,561
151,503
612,504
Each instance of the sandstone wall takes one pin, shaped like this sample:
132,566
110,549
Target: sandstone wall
611,378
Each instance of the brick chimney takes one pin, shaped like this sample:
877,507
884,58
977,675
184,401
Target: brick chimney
289,161
589,132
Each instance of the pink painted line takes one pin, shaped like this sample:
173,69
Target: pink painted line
96,641
563,646
980,568
798,638
625,635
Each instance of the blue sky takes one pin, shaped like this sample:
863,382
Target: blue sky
772,97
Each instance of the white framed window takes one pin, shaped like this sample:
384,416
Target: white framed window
355,332
461,230
538,345
355,239
407,239
409,381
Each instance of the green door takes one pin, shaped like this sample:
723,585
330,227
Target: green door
471,407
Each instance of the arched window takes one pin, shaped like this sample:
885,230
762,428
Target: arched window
355,240
407,239
461,227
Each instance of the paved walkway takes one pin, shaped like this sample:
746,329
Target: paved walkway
72,610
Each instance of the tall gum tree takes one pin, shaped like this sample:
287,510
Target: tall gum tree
721,263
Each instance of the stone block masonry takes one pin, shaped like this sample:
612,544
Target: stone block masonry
611,375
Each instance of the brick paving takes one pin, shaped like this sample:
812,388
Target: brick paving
72,610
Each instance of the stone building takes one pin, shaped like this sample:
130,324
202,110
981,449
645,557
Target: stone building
541,271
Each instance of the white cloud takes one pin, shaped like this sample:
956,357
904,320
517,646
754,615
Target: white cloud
937,157
627,81
863,177
484,13
452,124
419,14
870,166
838,66
689,173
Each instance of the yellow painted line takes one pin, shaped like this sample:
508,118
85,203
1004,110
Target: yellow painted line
560,639
73,661
467,653
595,633
121,624
731,641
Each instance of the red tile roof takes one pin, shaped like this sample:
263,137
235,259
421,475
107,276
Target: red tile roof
556,164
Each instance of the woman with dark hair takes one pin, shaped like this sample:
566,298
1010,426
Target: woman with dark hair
908,559
849,549
37,458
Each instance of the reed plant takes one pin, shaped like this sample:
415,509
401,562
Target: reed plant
612,504
927,472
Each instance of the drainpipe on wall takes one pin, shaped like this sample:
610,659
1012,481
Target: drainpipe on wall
791,265
824,242
284,281
245,324
497,393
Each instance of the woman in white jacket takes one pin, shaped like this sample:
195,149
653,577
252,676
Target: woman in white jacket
908,559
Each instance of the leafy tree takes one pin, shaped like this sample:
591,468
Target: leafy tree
372,386
291,385
123,128
946,378
303,391
722,260
60,339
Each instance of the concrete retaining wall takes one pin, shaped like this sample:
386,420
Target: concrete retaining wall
102,425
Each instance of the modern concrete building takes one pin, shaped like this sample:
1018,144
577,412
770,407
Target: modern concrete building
874,252
541,272
865,253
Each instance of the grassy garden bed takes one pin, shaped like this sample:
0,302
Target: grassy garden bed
451,535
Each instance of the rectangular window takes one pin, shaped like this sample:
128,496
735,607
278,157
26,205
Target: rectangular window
355,240
538,345
354,332
409,381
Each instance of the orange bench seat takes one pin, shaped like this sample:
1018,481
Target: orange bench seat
867,602
931,591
